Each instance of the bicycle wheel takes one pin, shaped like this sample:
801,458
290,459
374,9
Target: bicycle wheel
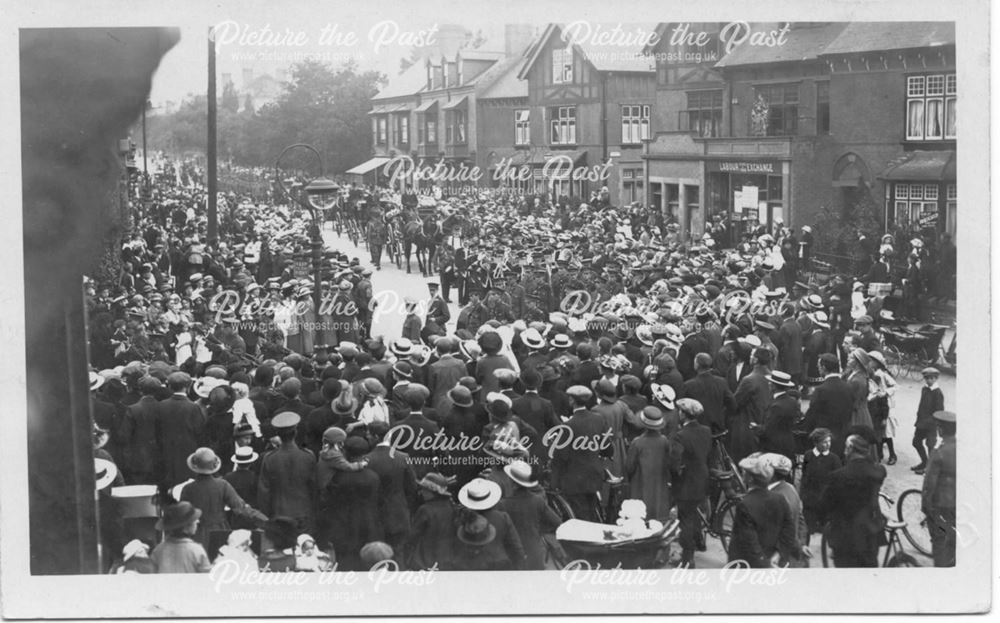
559,506
902,559
723,520
909,509
894,360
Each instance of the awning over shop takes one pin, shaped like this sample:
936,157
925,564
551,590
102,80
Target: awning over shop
933,166
426,106
459,103
384,109
368,166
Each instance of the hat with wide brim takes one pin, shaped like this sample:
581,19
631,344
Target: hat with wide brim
651,417
664,394
96,380
437,483
520,473
480,494
105,472
204,461
401,347
244,455
944,416
177,516
461,398
479,531
781,379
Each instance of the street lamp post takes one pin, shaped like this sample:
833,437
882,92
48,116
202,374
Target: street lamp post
316,196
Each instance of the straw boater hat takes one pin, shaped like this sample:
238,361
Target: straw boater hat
781,379
651,417
561,340
480,494
532,339
520,473
401,347
244,455
204,461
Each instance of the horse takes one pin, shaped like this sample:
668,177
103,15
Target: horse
413,235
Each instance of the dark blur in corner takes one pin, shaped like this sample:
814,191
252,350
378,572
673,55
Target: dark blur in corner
81,89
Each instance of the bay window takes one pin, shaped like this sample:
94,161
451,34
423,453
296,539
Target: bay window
931,107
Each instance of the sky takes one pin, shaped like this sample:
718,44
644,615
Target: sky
267,44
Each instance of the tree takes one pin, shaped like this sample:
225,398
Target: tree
248,103
836,229
230,99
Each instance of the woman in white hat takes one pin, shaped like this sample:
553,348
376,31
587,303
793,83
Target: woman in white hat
529,512
647,464
480,497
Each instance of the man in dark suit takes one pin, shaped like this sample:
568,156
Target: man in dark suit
851,504
588,371
397,485
763,524
691,347
287,484
789,343
576,449
712,392
321,418
437,308
421,426
692,446
529,513
832,403
535,411
180,430
138,434
741,365
444,373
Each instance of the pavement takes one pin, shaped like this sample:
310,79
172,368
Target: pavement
389,286
392,284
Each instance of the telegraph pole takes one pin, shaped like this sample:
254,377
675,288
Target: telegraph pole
213,216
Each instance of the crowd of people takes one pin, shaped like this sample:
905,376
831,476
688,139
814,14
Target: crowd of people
215,378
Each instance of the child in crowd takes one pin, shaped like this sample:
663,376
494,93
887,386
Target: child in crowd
179,552
817,466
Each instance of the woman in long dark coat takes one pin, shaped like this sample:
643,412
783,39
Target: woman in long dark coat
647,466
354,518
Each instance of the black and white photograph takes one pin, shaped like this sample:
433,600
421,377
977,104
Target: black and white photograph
335,309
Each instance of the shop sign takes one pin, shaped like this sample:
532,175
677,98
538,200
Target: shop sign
765,167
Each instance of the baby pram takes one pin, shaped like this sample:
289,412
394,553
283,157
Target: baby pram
607,546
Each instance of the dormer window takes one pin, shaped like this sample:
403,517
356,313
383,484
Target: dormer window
562,65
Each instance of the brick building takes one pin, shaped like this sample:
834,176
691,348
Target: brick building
833,116
588,104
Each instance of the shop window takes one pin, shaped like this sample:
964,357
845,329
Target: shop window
931,107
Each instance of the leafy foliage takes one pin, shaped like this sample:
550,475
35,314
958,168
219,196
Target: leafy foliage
322,106
836,229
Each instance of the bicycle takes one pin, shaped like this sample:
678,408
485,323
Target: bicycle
894,555
723,462
909,510
607,511
723,498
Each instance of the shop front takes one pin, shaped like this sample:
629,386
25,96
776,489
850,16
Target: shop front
921,193
748,193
